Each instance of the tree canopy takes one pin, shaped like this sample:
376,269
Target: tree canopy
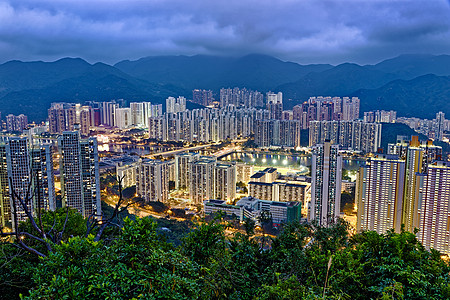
211,262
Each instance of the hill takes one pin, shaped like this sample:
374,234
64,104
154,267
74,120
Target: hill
409,66
337,81
253,71
402,83
422,97
389,132
71,80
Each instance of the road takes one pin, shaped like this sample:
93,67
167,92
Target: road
173,152
217,154
139,211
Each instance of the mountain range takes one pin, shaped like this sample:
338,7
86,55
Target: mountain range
414,85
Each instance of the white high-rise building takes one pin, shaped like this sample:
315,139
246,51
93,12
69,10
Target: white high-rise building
243,172
152,180
350,108
5,205
19,175
43,176
352,135
175,105
379,194
155,128
29,176
182,169
138,111
440,125
326,179
414,166
434,210
80,178
108,113
201,180
225,181
123,118
127,173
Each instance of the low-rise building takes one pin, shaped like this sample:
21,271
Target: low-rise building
249,207
278,191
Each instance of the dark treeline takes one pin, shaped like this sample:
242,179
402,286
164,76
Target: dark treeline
135,261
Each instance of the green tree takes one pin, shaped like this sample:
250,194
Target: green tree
138,265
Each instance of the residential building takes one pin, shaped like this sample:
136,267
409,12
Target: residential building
175,105
278,191
28,173
202,97
152,180
182,169
379,194
5,204
243,172
123,118
252,208
350,135
127,173
326,177
282,133
16,123
434,209
225,181
79,169
201,180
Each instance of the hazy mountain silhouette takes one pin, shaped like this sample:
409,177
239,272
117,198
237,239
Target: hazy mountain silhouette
414,85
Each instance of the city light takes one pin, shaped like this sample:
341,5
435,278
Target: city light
253,159
274,161
264,160
285,162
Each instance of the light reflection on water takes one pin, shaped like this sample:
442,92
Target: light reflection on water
130,148
265,159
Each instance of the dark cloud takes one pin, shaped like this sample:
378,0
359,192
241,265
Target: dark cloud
305,31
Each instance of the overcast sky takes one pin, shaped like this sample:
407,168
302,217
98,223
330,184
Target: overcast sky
304,31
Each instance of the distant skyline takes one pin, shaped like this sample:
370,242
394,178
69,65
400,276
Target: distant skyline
305,32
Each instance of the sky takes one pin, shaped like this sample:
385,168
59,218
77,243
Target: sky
303,31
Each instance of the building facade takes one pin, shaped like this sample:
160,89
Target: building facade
79,169
326,177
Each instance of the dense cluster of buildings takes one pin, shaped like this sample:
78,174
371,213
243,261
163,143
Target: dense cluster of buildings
26,172
350,135
407,187
206,125
202,176
202,97
380,116
326,109
280,133
241,98
433,129
232,120
64,116
16,123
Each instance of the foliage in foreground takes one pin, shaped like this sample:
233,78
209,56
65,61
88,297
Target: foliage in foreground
303,262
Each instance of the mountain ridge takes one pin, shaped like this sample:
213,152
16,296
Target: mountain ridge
29,87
